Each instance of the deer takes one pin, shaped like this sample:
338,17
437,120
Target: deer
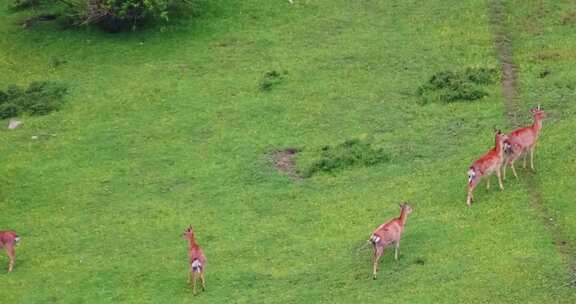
8,240
523,140
486,165
388,234
197,260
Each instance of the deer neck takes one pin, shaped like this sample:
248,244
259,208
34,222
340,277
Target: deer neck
192,242
403,217
498,146
537,125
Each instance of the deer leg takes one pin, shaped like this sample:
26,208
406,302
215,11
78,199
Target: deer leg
525,157
193,283
396,250
471,187
203,280
532,157
499,179
11,256
513,170
488,183
377,254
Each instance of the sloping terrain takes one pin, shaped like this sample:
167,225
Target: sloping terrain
169,126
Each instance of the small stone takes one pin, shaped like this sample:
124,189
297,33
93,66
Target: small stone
34,137
14,123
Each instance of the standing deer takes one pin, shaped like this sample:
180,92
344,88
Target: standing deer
8,240
523,140
197,260
486,165
387,234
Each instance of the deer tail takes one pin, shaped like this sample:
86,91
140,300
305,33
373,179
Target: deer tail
507,148
471,175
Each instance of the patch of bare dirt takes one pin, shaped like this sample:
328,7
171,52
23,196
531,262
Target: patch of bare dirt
283,162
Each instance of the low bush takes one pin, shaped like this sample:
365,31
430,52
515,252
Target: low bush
351,153
449,86
269,80
40,98
110,15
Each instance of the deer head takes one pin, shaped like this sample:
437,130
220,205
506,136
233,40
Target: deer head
188,233
406,208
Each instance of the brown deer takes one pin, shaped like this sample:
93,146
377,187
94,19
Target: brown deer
486,165
387,234
8,240
523,140
197,260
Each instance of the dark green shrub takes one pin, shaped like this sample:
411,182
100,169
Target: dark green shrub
270,79
449,86
40,98
351,153
111,15
3,97
8,110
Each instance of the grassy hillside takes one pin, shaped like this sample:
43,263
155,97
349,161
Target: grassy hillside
168,127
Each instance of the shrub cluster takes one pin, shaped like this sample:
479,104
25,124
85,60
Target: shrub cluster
270,79
40,98
449,86
351,153
111,15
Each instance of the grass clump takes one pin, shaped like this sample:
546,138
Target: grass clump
270,79
40,98
351,153
450,86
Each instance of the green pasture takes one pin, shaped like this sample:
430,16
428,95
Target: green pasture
168,126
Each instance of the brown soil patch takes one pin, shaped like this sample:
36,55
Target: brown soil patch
283,162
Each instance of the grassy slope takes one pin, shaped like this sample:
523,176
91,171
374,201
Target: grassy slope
168,128
541,30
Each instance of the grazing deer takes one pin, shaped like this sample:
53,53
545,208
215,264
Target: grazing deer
197,260
8,240
486,165
523,140
387,234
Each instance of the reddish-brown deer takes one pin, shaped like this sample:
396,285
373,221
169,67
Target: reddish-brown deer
488,164
197,260
8,240
523,140
388,234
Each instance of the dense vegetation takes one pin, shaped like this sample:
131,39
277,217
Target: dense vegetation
40,98
169,126
111,15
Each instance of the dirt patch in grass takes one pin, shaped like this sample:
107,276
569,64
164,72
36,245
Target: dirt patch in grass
283,161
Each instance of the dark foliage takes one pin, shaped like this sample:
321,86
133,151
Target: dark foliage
351,153
40,98
449,86
269,80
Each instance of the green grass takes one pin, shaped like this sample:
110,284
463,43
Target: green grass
168,127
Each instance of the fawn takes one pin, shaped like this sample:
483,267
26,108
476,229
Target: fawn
486,165
8,240
523,140
197,260
387,234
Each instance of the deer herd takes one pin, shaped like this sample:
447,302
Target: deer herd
507,149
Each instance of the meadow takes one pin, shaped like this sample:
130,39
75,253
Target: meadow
169,126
